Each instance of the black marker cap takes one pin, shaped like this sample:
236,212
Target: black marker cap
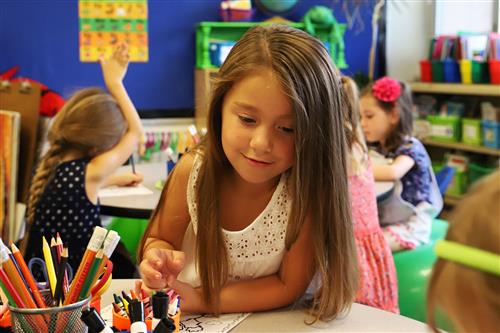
160,304
93,320
136,311
166,325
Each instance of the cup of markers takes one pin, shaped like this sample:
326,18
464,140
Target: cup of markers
56,305
160,313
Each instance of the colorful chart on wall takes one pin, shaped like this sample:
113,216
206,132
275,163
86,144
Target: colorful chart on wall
104,23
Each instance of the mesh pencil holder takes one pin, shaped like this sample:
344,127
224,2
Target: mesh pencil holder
62,319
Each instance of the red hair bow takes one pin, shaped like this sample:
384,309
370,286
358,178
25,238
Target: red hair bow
386,89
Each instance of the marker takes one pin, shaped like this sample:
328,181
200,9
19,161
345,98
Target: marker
94,321
160,302
166,325
136,313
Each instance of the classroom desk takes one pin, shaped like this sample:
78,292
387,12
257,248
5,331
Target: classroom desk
137,206
361,318
141,206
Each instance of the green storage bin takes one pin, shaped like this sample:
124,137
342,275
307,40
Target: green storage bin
480,72
477,171
437,71
471,131
447,128
458,184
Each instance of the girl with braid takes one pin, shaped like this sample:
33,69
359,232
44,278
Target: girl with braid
90,138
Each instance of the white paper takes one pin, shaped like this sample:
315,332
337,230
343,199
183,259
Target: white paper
120,191
194,323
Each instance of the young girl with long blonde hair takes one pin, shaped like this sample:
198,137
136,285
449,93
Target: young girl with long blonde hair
93,134
378,285
249,217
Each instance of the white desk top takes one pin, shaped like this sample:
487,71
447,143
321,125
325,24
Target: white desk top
361,318
141,206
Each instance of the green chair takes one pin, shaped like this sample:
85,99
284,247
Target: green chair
130,231
413,269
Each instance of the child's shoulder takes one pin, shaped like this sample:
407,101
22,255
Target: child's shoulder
409,146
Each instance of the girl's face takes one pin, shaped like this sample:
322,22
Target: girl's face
258,128
375,122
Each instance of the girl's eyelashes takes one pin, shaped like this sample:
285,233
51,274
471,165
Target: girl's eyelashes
246,120
287,130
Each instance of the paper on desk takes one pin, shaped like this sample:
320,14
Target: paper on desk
120,191
194,323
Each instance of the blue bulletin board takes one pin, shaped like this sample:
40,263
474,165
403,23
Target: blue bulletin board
41,37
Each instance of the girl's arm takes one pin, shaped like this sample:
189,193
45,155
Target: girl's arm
167,229
123,179
265,293
105,164
395,171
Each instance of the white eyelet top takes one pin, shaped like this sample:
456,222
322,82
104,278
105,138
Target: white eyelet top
253,252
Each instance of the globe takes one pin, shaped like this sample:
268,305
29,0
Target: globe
277,6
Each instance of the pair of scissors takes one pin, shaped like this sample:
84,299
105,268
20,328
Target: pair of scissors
38,269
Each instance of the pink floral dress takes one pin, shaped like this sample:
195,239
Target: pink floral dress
378,280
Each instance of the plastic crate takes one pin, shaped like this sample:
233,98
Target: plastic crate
477,171
491,134
480,73
494,66
445,128
437,71
451,71
466,71
471,131
425,71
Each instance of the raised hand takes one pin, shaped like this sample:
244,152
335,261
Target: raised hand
115,68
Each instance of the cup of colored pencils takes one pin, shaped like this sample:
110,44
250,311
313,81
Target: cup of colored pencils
57,308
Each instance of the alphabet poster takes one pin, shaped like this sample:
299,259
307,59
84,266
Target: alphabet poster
104,23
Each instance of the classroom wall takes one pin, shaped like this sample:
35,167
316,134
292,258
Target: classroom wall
410,28
42,38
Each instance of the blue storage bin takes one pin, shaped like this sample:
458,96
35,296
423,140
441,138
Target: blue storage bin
219,51
491,134
451,71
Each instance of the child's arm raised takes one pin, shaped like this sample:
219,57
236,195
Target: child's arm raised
394,171
105,164
265,293
161,262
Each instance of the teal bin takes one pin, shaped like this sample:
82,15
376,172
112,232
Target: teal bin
130,231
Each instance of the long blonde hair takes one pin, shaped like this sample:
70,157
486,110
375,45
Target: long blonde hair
453,286
355,138
318,177
90,123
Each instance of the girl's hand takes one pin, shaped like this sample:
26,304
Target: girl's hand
191,298
128,179
160,267
115,68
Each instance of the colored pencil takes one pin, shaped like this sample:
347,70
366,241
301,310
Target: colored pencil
90,277
10,290
28,277
94,245
51,272
110,243
60,247
59,294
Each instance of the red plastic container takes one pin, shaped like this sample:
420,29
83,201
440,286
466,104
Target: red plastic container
494,66
425,71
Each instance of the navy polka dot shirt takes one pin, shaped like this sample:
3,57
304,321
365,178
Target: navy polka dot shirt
65,208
